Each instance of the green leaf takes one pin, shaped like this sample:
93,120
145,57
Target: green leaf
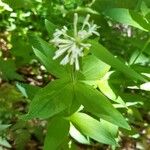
138,58
93,68
58,130
99,105
92,128
103,5
113,129
51,66
50,27
123,16
103,85
4,126
45,52
141,20
105,88
103,54
78,136
51,100
4,142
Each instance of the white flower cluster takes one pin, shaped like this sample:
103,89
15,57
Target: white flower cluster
72,47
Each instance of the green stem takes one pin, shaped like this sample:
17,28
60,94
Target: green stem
144,47
73,73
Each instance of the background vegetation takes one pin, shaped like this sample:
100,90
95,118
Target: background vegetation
124,31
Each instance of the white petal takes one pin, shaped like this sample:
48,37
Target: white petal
75,22
83,34
60,52
61,41
65,60
85,45
77,64
86,21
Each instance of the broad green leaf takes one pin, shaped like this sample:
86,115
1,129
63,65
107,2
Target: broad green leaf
57,132
92,128
113,129
123,16
93,68
51,100
99,105
78,136
103,54
45,52
51,66
103,85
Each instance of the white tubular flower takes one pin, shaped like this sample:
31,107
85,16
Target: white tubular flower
73,47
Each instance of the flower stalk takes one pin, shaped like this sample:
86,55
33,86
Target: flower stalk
72,47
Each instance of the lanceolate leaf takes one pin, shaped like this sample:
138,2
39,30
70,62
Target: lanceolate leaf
51,100
103,54
93,68
51,66
4,142
78,136
113,129
92,128
57,132
103,5
124,16
99,105
45,52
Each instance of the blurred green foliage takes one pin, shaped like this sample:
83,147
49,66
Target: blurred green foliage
124,31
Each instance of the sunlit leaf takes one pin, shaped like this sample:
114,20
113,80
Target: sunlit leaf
92,128
98,104
123,16
93,68
103,54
